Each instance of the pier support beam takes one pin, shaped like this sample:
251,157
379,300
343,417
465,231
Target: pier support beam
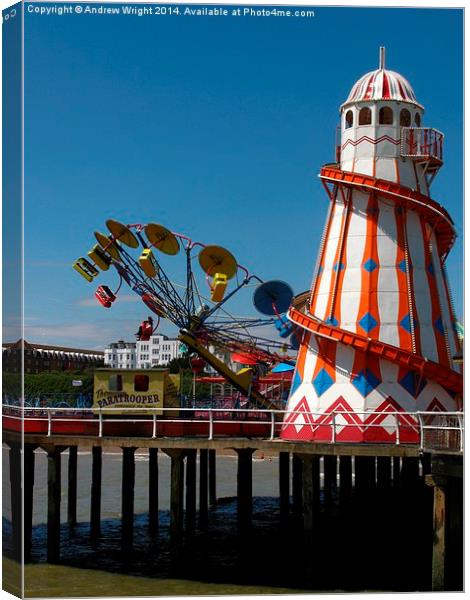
410,472
203,463
191,490
297,488
329,471
15,490
72,486
345,477
384,472
439,532
127,496
176,501
212,478
310,497
446,479
244,488
153,490
95,503
53,503
284,485
29,464
364,470
396,463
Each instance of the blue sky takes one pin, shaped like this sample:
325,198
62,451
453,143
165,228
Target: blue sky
214,126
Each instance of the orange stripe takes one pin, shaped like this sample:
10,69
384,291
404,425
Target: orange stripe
369,280
326,357
434,294
403,308
317,281
302,355
336,261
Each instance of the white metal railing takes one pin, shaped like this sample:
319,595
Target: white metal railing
431,430
421,143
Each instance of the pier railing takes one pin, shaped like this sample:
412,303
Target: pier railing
433,431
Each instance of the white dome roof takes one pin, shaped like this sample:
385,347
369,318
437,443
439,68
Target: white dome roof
382,85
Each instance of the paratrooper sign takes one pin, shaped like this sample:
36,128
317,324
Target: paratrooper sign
135,388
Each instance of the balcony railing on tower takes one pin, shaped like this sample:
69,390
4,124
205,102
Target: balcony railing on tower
424,146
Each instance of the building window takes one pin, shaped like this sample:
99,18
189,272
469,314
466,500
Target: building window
349,120
418,120
365,116
115,383
405,118
386,116
141,383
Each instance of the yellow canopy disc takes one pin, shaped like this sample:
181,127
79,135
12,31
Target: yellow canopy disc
122,233
110,247
215,259
161,238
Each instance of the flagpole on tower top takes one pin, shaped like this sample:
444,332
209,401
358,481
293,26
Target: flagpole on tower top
382,57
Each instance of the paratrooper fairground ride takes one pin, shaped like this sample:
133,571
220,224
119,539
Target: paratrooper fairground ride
198,308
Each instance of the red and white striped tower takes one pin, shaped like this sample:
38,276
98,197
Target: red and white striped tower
378,328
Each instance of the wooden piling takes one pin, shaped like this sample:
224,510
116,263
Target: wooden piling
384,472
297,488
345,477
15,490
410,472
29,464
244,488
127,496
72,486
396,464
212,478
284,485
176,502
191,490
53,503
439,531
329,474
153,490
95,501
310,497
364,471
203,507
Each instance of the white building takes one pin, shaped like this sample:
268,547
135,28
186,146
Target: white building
158,351
121,355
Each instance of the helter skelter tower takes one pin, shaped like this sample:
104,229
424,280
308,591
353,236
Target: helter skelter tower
378,328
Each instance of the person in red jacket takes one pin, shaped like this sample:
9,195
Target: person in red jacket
145,330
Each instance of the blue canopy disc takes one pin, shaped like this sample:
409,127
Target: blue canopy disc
272,297
282,368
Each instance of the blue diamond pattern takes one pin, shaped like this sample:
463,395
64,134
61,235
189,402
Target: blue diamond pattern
338,267
410,383
370,265
431,269
368,322
439,326
322,382
295,382
365,382
402,266
332,321
406,323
